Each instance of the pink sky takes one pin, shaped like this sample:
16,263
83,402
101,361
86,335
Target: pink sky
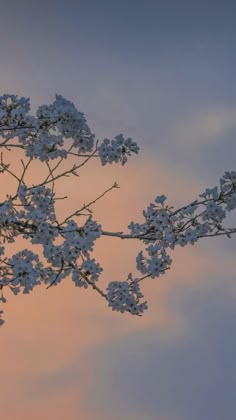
162,73
50,330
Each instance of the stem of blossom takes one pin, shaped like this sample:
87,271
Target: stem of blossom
229,231
86,206
121,235
69,171
5,168
25,167
93,285
19,146
78,155
58,274
56,166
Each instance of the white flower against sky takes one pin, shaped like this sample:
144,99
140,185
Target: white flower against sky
56,132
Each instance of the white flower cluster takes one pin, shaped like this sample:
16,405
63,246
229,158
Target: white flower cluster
87,273
81,239
56,122
37,222
77,241
45,147
90,270
26,271
14,111
124,296
15,120
117,150
7,213
38,203
164,228
156,263
43,136
56,131
70,123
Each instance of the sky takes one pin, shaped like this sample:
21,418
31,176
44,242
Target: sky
163,73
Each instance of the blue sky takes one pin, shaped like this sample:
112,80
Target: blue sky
170,61
162,72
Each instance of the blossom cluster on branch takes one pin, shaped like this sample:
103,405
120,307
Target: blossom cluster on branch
56,132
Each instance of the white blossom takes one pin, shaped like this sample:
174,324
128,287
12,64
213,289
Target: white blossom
57,131
125,296
116,150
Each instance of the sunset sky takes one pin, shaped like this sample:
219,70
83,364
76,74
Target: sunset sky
163,73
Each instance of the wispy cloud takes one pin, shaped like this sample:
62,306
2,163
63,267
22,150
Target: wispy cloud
206,127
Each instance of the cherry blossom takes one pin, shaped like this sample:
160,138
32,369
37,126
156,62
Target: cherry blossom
59,131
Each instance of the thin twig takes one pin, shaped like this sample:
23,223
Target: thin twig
5,168
86,206
25,167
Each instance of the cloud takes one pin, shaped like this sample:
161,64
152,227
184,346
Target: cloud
200,141
205,126
186,375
